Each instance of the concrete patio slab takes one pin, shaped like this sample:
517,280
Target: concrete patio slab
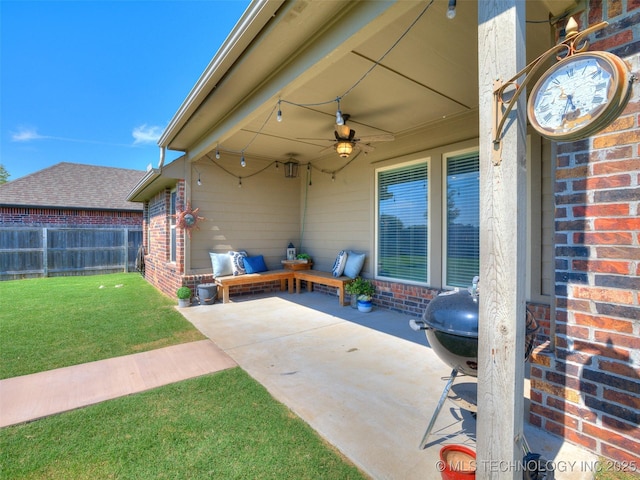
364,381
30,397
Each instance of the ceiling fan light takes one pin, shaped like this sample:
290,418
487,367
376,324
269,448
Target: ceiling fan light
344,149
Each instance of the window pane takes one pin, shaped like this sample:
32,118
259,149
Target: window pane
402,223
463,220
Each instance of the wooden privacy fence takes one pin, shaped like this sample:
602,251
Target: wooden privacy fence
52,252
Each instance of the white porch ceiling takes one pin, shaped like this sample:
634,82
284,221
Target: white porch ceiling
310,52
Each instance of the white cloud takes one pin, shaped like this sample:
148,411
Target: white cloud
146,134
26,134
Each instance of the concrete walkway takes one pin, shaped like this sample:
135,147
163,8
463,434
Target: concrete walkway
30,397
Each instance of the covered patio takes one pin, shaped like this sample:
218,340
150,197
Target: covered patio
391,113
367,383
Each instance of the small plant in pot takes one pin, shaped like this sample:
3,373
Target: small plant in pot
304,256
184,296
361,291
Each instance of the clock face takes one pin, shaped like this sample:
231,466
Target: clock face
578,96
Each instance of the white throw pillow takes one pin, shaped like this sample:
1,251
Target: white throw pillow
221,264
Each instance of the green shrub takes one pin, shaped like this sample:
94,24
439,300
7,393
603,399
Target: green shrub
184,293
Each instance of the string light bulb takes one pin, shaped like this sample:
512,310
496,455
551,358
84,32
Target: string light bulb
451,11
279,115
199,181
339,118
242,162
217,154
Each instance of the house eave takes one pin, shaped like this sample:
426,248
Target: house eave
153,182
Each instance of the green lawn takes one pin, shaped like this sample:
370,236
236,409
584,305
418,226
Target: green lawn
48,323
219,426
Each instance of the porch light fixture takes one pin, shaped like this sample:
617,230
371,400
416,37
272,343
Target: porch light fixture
344,149
291,169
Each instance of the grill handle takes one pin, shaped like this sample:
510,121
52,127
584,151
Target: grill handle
417,325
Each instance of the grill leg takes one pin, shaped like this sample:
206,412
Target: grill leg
443,397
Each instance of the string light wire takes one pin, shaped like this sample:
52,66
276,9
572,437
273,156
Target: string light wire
277,107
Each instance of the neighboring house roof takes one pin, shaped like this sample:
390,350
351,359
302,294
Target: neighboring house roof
74,185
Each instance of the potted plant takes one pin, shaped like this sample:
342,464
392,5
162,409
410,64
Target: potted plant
184,296
361,291
304,256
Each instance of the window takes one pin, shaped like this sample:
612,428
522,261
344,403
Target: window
172,222
428,218
402,216
462,220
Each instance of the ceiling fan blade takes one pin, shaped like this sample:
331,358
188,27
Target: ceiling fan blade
330,147
317,139
384,137
364,147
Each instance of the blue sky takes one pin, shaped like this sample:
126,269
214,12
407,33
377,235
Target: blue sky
96,82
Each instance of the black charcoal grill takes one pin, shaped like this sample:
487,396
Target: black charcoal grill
450,323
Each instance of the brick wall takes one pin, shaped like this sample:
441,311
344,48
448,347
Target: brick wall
43,217
588,389
160,271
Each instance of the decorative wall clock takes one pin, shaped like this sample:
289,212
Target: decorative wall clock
579,96
575,98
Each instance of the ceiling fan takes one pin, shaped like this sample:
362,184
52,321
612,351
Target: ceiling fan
346,140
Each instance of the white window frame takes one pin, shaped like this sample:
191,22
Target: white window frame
421,160
443,199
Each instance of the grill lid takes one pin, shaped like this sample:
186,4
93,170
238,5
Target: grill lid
454,312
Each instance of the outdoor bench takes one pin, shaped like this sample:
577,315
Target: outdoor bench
283,276
323,278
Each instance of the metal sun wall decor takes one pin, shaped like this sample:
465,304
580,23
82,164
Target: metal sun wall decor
188,219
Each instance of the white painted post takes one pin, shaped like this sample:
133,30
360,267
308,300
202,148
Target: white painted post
501,54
